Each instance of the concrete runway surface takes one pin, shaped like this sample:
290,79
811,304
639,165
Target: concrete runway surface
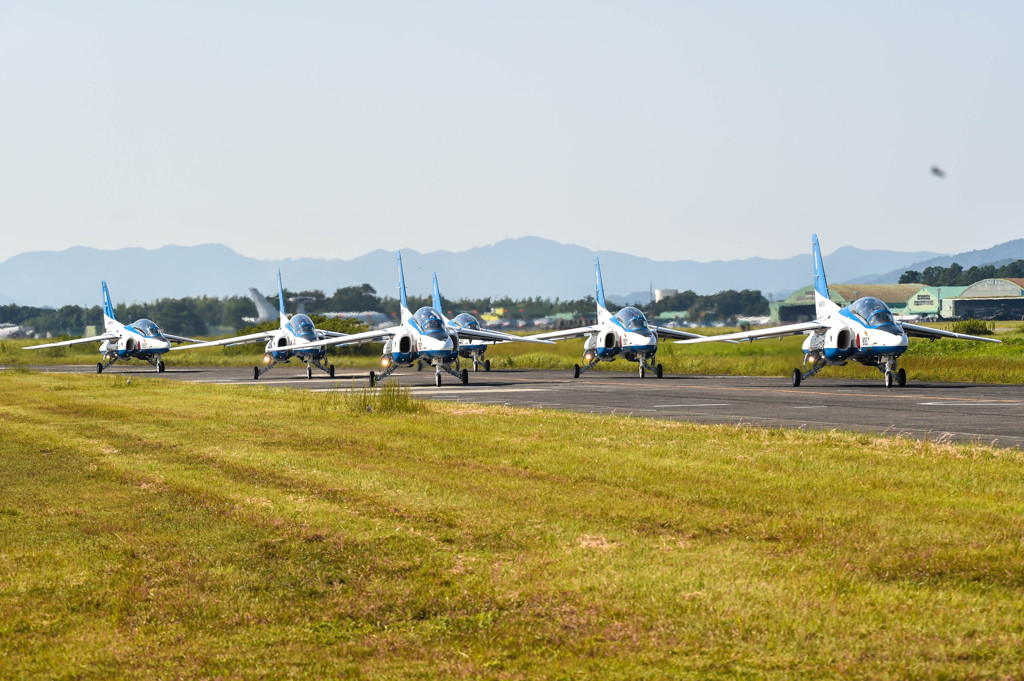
985,413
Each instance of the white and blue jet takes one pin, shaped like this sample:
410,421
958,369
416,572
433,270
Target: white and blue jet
864,331
464,323
625,334
296,336
142,339
423,336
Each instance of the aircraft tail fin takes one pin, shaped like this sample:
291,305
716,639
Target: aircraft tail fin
602,308
437,298
823,305
406,314
280,300
264,310
108,309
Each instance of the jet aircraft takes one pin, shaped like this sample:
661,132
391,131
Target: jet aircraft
625,334
421,336
864,331
294,337
142,339
476,348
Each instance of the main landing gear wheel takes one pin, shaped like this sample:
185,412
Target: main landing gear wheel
901,377
575,370
487,365
643,371
888,379
658,371
437,379
796,378
255,373
465,377
309,372
330,371
99,367
373,379
419,365
160,366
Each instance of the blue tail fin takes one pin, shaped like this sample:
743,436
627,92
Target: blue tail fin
280,299
602,308
406,314
820,285
822,304
437,297
108,309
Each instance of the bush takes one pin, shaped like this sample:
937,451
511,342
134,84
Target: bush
388,398
974,327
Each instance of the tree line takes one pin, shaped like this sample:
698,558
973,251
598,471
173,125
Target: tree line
956,275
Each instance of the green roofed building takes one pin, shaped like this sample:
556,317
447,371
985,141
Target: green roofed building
676,316
799,306
987,299
927,301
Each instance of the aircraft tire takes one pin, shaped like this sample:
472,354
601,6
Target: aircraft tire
330,371
99,367
373,379
796,378
643,370
901,377
575,370
160,366
419,365
465,376
658,371
255,373
888,379
487,365
309,372
437,379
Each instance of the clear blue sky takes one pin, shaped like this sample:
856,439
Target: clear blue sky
711,130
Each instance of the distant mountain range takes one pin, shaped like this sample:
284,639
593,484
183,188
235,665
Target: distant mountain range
997,255
524,267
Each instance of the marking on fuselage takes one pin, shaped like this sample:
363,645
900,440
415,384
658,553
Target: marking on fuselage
971,403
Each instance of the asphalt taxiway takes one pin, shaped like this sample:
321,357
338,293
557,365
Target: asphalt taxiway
985,413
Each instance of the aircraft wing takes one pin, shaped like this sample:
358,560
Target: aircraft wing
577,332
179,339
666,332
234,340
76,341
758,334
928,332
352,339
498,336
331,334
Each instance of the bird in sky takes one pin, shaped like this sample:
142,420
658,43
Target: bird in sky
938,172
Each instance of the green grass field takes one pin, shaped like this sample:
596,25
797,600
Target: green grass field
169,530
944,360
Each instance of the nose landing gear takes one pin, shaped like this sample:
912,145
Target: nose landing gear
892,374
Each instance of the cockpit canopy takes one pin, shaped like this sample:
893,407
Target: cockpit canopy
303,327
147,328
632,319
466,321
430,322
875,314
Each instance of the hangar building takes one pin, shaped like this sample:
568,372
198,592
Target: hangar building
799,306
987,299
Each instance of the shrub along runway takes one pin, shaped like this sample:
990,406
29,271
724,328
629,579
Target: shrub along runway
969,412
